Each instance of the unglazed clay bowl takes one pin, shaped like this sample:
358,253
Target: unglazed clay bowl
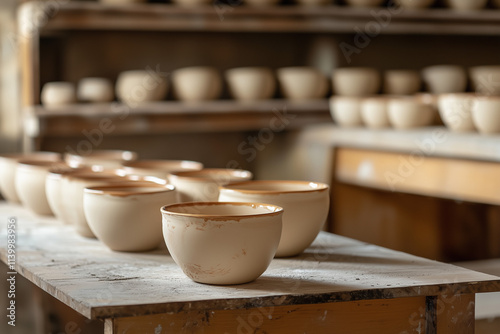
95,90
251,83
409,112
8,168
30,185
103,158
485,79
125,217
364,3
57,94
486,114
197,83
356,81
305,205
456,111
222,243
302,83
204,185
466,5
441,79
139,86
402,82
414,4
346,110
72,186
374,112
160,168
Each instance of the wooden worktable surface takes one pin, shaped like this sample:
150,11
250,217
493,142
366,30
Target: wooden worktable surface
100,283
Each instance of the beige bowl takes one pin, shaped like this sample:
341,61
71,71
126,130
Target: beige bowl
441,79
485,79
8,168
456,111
197,83
139,86
95,90
356,81
302,83
486,114
466,4
402,82
160,168
346,110
414,4
125,217
222,243
251,83
409,112
204,185
364,3
306,206
374,112
103,158
57,94
30,185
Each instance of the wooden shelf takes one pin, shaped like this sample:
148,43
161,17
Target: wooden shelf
176,117
287,18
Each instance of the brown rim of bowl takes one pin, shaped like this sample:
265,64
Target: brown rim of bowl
164,209
232,187
195,174
151,163
114,190
90,175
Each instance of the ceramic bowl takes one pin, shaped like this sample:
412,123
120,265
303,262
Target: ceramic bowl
204,185
486,114
346,110
8,168
305,204
251,83
139,86
302,83
103,158
456,111
356,81
95,90
57,94
402,82
374,112
222,243
466,4
409,112
72,186
125,217
197,83
30,185
364,3
485,79
441,79
160,168
414,4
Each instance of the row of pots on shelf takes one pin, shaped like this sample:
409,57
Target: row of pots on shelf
201,83
212,218
460,112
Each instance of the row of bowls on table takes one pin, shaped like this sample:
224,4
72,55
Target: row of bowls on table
460,112
454,4
219,226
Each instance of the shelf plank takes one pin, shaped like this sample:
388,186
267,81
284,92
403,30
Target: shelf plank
287,18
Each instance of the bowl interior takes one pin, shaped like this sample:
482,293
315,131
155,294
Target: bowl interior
129,189
215,174
221,209
276,186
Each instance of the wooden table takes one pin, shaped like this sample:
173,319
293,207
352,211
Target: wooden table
338,285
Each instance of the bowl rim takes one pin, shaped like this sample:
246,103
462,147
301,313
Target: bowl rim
231,187
158,163
114,189
194,174
116,155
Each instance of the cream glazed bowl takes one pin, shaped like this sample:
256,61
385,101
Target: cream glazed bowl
222,243
441,79
197,83
125,216
30,185
306,205
302,83
409,112
8,169
103,158
356,81
346,110
456,111
160,168
139,86
251,83
95,90
58,94
486,114
204,185
374,112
